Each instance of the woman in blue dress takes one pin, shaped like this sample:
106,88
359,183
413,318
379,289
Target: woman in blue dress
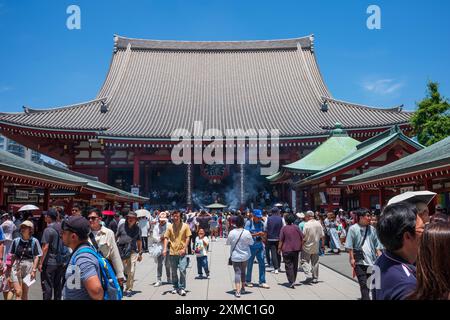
331,225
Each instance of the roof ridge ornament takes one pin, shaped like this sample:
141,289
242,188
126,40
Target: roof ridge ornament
116,43
103,107
311,39
26,109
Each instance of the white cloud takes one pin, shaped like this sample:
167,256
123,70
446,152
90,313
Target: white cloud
5,88
383,86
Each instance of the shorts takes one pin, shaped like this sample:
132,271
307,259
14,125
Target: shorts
20,271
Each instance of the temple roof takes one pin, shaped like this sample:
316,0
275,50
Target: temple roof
432,157
362,151
155,87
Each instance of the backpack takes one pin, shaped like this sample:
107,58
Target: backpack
16,242
108,278
62,252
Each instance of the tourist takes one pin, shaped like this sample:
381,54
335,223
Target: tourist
439,217
130,249
201,243
144,226
83,275
192,222
114,223
433,261
239,241
103,239
399,229
363,247
301,221
76,210
213,223
256,228
6,284
158,238
290,245
203,222
331,226
18,219
313,239
177,234
25,252
53,258
8,227
273,228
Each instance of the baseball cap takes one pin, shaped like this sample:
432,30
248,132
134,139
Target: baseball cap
78,225
163,216
27,223
132,214
257,213
51,213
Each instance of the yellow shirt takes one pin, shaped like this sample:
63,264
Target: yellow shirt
177,237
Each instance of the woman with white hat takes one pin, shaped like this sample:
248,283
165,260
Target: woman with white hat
25,251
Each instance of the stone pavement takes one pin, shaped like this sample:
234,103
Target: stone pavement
332,285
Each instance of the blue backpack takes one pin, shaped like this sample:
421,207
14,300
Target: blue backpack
108,277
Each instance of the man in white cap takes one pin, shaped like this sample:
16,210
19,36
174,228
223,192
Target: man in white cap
158,237
312,233
302,222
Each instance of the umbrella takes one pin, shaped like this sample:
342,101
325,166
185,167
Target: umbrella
28,207
413,197
278,205
108,213
216,206
142,213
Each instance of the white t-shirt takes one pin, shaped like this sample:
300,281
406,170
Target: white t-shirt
200,249
241,250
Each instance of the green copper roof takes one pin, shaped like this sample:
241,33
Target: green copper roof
335,148
434,156
365,149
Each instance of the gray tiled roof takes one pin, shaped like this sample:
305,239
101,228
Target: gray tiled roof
154,87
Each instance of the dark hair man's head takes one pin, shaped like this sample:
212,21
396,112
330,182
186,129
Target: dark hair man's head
76,210
364,216
399,229
240,221
290,218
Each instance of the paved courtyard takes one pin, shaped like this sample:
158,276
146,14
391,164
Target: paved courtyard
332,285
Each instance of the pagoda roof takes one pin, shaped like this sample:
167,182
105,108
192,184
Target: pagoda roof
364,150
155,87
432,157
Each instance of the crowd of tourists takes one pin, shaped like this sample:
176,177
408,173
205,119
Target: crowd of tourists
86,255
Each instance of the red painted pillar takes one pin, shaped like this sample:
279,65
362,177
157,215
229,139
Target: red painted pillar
429,186
46,199
136,170
147,179
381,197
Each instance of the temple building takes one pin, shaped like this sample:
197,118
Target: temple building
124,135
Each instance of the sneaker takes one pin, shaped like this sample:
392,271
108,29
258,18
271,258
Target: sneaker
174,291
249,284
128,293
157,284
208,277
237,294
292,285
265,286
275,271
315,280
182,292
243,291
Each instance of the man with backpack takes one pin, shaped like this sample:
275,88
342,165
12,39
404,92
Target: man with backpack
83,274
54,257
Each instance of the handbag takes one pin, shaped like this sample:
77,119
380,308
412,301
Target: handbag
358,254
229,259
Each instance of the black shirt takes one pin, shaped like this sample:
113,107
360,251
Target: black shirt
51,236
24,249
126,235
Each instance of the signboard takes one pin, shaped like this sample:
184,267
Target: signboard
97,202
405,189
323,198
294,201
334,191
135,191
22,194
33,198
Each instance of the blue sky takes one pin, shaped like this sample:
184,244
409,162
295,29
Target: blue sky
43,64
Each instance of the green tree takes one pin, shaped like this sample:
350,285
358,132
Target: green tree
431,121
